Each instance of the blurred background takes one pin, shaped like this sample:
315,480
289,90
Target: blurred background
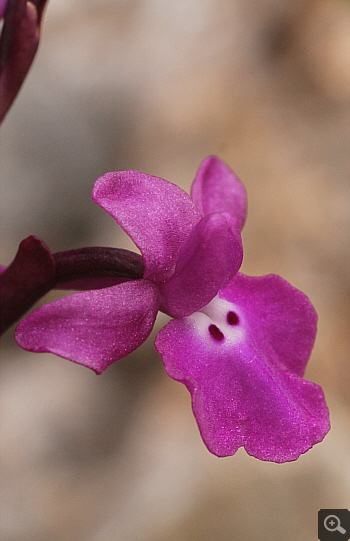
157,86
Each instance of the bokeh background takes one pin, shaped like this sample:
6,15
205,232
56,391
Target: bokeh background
156,86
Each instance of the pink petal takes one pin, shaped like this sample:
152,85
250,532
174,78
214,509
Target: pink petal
242,395
94,328
282,315
157,215
208,260
91,283
217,189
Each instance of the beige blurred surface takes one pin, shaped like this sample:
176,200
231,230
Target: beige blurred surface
157,86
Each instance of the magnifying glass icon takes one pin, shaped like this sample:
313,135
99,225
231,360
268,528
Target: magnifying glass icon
332,524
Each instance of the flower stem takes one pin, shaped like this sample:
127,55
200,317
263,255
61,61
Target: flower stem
97,261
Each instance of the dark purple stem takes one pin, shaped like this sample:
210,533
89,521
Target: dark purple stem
35,271
95,262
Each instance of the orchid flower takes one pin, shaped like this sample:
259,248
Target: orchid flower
240,344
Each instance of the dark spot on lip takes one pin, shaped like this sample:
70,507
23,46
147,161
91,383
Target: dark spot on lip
232,318
216,333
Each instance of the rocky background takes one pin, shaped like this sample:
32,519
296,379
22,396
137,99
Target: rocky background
157,86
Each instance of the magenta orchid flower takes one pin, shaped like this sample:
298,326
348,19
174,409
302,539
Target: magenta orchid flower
240,344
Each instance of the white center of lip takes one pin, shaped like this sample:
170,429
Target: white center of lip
216,313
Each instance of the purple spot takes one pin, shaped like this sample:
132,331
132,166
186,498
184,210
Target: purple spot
232,318
216,333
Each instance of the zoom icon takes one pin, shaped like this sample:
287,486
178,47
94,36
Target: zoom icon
334,525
